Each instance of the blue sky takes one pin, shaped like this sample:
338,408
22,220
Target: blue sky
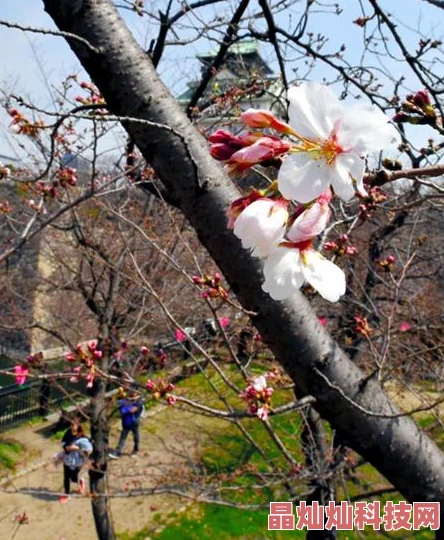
32,65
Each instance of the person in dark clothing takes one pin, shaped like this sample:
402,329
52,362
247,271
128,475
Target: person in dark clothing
70,473
131,409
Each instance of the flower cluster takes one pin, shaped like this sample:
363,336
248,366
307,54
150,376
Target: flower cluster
285,241
416,109
161,389
258,396
370,201
339,246
243,151
94,97
362,327
21,372
86,359
67,177
211,285
387,263
23,126
326,150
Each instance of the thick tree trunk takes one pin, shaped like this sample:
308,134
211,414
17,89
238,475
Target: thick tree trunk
131,87
99,436
315,447
100,439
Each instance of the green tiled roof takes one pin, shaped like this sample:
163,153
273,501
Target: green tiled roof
242,47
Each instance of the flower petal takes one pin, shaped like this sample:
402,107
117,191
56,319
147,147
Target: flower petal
302,178
283,274
324,276
346,168
259,383
261,226
365,128
310,223
313,110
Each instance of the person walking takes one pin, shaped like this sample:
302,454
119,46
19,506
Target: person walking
131,409
76,450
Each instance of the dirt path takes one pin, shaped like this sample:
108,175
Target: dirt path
169,441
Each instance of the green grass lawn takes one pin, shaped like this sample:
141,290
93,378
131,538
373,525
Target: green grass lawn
11,451
233,463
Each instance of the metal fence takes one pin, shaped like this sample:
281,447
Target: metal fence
35,398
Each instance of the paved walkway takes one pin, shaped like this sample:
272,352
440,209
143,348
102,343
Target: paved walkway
169,443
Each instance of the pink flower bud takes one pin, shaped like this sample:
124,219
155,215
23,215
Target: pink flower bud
404,326
323,320
264,149
400,117
224,321
262,413
90,380
144,350
260,118
249,137
179,335
70,356
269,391
97,354
221,136
222,152
21,374
421,98
92,345
150,385
171,400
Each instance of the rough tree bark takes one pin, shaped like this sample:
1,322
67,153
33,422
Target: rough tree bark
360,410
100,438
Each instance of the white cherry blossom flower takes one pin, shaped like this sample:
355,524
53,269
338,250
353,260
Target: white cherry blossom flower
333,142
259,383
261,225
287,268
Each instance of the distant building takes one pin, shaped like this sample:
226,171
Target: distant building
79,163
243,68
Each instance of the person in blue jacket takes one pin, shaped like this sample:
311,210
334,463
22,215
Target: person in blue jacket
131,409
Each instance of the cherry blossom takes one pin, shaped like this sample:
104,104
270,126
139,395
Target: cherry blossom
287,268
262,225
333,143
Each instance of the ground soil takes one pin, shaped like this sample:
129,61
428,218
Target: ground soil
170,441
